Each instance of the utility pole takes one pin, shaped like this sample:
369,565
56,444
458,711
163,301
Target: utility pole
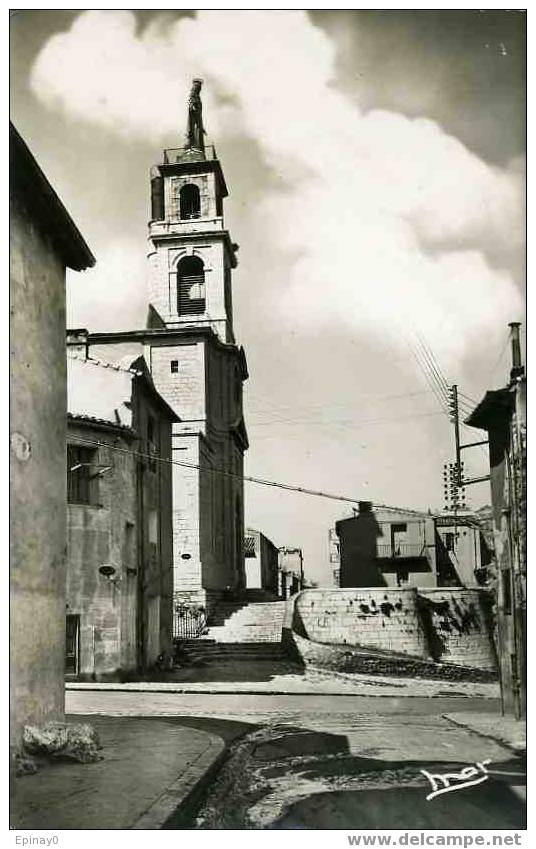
459,479
455,419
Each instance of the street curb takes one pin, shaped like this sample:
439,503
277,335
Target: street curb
185,788
485,736
103,688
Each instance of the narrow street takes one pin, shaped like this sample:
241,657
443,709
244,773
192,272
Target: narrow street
324,762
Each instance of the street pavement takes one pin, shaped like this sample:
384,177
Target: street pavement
149,767
335,761
282,677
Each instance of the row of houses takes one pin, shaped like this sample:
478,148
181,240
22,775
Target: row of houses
398,548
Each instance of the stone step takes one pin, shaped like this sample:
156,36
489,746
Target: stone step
268,653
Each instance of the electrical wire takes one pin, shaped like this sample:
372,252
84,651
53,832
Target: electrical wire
97,443
346,423
434,366
428,379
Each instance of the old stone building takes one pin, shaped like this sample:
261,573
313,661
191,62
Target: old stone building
119,527
291,578
261,557
503,414
190,346
44,241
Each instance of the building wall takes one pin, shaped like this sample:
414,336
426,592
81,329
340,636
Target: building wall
270,562
125,623
366,546
507,435
37,475
105,533
262,568
208,503
156,585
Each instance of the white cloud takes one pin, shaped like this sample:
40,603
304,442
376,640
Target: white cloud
389,221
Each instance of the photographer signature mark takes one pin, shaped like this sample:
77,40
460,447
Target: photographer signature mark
447,782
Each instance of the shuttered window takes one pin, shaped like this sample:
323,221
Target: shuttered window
191,286
80,486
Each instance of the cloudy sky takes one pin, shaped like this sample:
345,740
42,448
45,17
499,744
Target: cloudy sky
375,162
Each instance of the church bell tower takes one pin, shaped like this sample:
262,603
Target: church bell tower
195,363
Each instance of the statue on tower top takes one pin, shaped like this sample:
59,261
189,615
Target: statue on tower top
195,131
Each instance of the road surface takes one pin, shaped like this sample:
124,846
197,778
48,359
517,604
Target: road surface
337,762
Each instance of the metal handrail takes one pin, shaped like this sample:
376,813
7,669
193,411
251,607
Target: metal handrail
183,154
401,550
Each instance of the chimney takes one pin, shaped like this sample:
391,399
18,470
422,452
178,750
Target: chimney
517,368
78,342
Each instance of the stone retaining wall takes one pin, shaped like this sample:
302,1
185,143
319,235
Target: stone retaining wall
376,617
458,624
448,626
352,660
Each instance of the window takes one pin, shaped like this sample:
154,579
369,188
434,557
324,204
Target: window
398,539
153,527
174,366
506,582
189,201
81,482
191,286
449,541
152,442
72,644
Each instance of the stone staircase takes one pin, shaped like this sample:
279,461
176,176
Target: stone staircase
246,621
206,651
246,630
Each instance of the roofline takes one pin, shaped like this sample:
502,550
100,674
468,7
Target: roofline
25,177
101,424
145,376
495,401
143,336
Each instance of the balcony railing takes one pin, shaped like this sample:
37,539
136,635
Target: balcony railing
189,154
400,550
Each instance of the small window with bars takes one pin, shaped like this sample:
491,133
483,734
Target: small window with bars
174,366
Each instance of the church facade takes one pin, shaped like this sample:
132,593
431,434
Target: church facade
195,363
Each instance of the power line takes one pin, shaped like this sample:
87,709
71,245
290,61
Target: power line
442,387
428,379
369,400
346,423
433,363
467,397
262,481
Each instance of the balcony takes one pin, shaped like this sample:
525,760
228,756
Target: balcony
189,154
401,550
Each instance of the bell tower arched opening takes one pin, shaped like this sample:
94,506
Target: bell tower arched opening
191,286
189,201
